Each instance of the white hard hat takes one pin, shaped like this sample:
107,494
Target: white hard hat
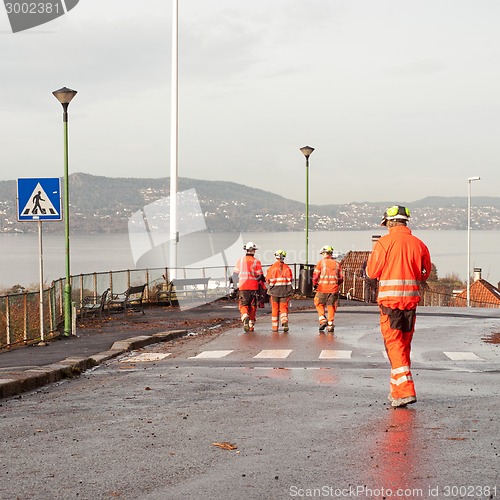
250,246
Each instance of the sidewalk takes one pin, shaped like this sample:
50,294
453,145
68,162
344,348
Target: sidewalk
97,340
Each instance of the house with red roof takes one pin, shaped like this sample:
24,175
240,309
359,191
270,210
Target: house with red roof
482,293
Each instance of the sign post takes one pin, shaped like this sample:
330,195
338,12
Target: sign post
40,273
39,200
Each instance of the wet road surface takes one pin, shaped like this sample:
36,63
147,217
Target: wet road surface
307,413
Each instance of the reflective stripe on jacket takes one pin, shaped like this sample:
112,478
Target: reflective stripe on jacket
279,280
400,261
326,275
249,270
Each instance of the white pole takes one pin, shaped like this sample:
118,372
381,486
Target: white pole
469,180
174,140
468,244
40,251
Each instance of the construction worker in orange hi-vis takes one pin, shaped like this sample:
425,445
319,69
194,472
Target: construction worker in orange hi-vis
250,278
279,279
327,276
401,262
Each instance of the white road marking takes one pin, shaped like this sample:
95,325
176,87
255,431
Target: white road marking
462,356
282,354
211,355
334,354
274,353
146,357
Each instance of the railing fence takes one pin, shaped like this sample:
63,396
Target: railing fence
20,313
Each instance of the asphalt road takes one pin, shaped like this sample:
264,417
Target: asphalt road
306,413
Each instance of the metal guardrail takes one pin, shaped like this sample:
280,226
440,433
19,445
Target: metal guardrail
20,313
358,288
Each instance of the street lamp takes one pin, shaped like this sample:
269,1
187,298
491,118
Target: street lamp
64,96
469,180
307,151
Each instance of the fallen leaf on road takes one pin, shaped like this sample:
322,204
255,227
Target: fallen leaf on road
226,446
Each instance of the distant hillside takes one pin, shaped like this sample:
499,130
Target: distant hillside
104,204
456,202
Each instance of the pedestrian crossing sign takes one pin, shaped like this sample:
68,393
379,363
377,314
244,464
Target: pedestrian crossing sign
39,199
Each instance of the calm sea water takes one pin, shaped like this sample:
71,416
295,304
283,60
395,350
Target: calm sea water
19,253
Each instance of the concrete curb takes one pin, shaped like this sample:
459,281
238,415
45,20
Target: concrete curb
28,380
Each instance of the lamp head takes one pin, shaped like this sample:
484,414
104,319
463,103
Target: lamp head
475,178
64,95
307,151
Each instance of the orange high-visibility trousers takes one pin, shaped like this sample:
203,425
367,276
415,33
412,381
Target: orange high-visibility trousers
248,311
279,311
325,302
398,347
247,304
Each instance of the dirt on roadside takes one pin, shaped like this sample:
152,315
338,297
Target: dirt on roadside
216,316
494,338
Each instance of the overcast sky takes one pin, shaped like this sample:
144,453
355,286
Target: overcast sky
400,98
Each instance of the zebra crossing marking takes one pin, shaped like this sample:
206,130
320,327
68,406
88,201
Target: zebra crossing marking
211,354
145,357
282,354
273,353
335,354
461,356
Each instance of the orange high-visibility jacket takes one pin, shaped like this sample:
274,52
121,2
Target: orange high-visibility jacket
279,280
249,270
327,274
400,261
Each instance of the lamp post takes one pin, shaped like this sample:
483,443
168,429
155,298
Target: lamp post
307,151
64,96
469,180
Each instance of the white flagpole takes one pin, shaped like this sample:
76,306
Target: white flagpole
174,141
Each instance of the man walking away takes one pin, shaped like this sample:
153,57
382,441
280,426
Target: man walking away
401,262
279,280
327,276
249,271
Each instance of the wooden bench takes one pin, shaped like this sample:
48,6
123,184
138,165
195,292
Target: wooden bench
185,287
92,305
130,299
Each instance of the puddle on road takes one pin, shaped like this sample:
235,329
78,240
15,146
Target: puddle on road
321,375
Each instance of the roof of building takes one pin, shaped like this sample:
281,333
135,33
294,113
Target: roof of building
354,259
482,292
